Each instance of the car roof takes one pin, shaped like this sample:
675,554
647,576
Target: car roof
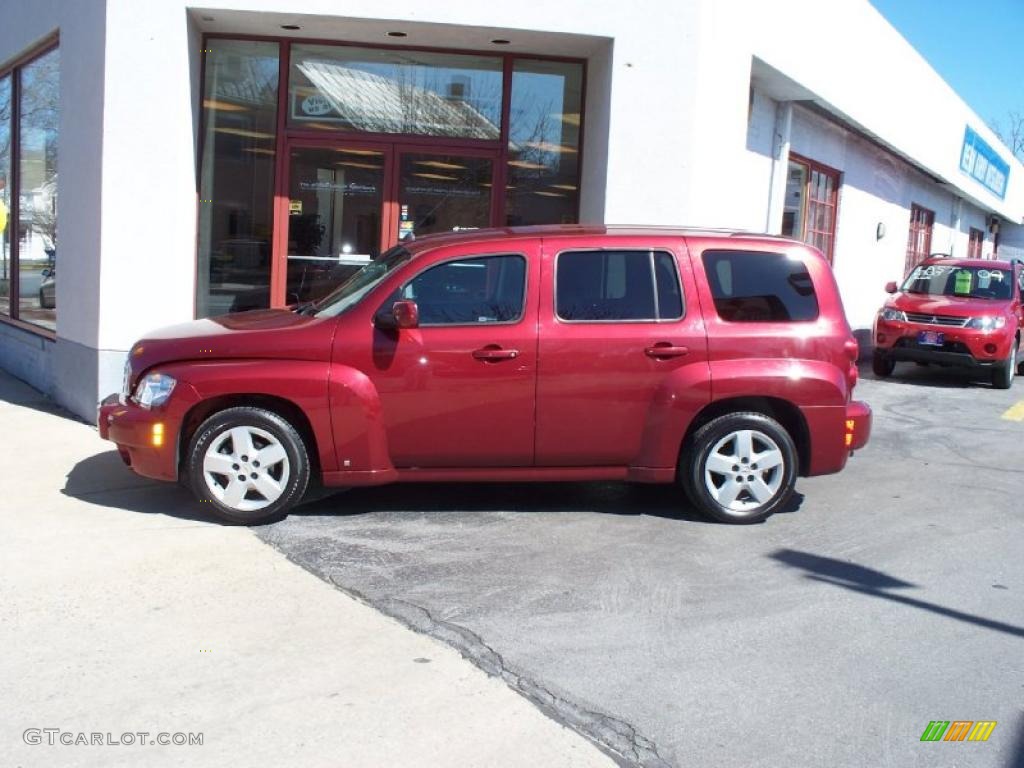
978,263
584,230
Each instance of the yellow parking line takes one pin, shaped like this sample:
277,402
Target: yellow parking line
1015,412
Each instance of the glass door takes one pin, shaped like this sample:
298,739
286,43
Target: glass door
343,203
443,192
336,197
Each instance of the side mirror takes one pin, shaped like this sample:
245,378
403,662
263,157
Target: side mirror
401,314
46,272
891,287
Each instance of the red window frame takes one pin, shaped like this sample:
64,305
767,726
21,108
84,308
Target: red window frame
919,237
13,68
975,241
820,204
394,143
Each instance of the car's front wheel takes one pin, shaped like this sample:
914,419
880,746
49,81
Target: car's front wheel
740,468
248,464
882,364
1002,374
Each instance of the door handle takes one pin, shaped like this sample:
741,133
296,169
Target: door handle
664,350
491,354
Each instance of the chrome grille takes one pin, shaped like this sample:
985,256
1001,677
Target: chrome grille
946,320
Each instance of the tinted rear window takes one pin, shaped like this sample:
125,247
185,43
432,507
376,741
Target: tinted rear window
752,287
598,286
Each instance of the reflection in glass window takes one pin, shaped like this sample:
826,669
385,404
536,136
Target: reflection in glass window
236,191
5,194
443,193
394,91
544,142
39,111
760,287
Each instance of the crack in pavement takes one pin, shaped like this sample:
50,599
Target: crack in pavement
614,736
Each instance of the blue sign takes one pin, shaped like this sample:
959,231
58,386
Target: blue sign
979,161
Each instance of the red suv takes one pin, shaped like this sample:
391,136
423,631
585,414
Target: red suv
718,361
955,312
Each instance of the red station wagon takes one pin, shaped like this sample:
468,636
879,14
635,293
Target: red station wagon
722,362
965,313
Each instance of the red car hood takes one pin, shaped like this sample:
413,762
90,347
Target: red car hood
270,334
948,305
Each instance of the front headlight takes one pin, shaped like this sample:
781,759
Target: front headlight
153,390
894,315
987,323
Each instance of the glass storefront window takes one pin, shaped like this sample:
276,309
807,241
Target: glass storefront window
392,91
5,194
39,112
237,186
443,193
544,142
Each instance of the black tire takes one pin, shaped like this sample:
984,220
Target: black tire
765,431
1002,374
882,364
295,462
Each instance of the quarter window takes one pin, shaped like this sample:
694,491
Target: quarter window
596,286
488,289
760,287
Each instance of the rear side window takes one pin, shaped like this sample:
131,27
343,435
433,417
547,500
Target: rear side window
605,286
488,289
760,287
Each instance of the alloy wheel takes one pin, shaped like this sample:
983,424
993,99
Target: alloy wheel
744,470
246,468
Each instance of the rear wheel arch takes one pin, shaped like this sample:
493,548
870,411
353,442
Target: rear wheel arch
783,411
281,406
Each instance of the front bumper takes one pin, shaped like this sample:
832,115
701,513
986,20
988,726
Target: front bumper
134,430
962,347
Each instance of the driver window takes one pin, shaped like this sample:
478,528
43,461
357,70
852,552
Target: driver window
470,291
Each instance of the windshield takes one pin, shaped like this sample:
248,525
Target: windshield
966,282
352,291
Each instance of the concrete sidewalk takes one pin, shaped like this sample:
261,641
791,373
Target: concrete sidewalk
122,609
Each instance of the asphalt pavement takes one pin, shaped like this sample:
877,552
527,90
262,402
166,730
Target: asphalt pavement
887,596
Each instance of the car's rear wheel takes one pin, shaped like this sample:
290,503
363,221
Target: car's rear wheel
740,468
882,364
248,464
1002,374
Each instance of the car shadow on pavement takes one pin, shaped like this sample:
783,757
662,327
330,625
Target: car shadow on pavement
867,581
932,376
105,480
665,501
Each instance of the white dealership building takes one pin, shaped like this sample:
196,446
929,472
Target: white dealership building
163,160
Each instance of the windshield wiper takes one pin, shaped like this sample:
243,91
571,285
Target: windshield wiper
306,308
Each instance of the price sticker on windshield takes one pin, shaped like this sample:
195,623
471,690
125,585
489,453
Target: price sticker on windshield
963,282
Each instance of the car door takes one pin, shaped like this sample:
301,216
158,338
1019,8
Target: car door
622,344
459,390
